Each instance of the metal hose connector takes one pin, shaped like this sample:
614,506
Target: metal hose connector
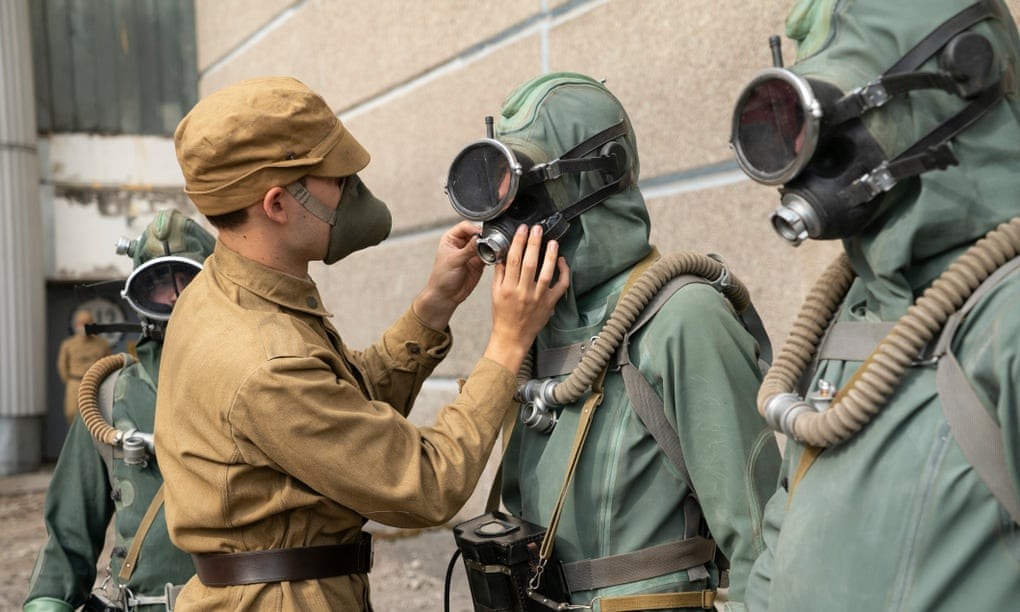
872,384
597,356
88,398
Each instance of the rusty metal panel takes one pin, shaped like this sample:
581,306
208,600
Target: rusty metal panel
113,66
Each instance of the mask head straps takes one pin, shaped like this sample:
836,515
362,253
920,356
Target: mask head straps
612,161
312,204
964,71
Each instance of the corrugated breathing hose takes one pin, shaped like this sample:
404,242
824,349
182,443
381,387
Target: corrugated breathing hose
871,385
88,398
595,357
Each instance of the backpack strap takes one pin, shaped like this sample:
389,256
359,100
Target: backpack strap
591,574
975,429
852,340
646,403
651,411
131,560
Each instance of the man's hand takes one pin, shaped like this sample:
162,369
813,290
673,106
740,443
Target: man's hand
454,276
524,296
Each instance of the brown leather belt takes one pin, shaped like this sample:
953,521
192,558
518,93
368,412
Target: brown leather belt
285,565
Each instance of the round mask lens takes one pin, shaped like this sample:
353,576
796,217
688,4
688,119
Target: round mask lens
775,127
153,288
482,180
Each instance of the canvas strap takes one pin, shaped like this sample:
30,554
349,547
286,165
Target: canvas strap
583,427
659,601
131,560
976,431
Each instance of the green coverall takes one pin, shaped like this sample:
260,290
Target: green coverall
626,494
895,518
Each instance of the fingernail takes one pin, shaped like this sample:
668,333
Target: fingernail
522,229
536,230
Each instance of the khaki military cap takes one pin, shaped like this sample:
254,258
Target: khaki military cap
239,142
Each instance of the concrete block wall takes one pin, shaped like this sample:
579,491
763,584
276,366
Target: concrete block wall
413,81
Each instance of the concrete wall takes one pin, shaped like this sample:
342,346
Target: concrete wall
413,81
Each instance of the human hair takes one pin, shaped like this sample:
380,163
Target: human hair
230,220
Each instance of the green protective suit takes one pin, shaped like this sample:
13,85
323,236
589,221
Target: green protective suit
895,518
83,499
626,495
81,502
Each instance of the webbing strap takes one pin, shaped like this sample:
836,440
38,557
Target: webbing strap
976,431
591,574
852,340
583,426
644,400
659,601
495,490
131,560
558,361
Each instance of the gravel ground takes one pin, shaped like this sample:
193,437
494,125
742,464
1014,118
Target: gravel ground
408,574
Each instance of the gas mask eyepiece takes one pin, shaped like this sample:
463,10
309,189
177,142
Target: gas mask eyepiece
776,126
809,138
152,288
490,182
483,180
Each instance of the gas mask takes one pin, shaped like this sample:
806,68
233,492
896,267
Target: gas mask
167,258
152,288
808,137
359,220
503,186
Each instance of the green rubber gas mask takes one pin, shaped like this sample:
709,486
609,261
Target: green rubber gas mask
808,136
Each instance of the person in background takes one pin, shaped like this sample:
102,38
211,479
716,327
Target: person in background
77,353
106,471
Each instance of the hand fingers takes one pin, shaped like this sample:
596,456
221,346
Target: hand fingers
529,265
562,282
545,274
515,254
462,234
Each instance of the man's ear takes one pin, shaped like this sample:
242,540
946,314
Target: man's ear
273,204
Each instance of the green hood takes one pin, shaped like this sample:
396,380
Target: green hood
924,222
546,117
171,233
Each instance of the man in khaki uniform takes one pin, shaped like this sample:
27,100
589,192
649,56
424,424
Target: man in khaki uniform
276,441
77,353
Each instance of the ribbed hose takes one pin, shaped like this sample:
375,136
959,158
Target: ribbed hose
595,357
88,398
871,385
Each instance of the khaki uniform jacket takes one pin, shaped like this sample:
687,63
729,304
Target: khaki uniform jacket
76,356
272,434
